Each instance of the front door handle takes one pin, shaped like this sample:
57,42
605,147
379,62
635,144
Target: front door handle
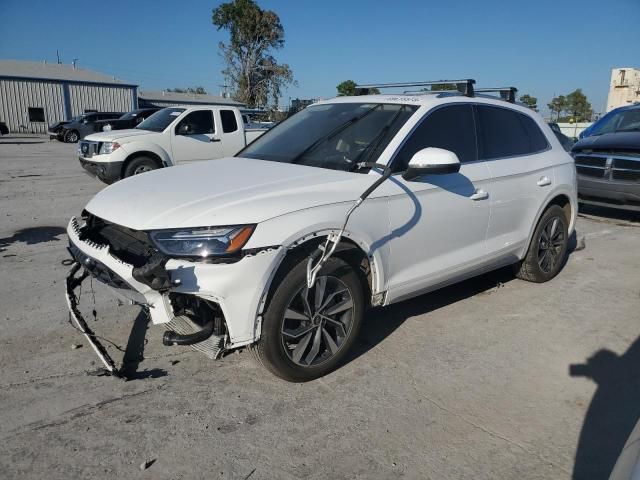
479,195
544,181
213,139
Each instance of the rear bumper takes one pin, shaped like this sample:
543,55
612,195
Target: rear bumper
108,172
607,193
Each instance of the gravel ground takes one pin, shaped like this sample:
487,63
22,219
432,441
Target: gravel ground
491,378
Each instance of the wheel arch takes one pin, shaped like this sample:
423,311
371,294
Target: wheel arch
142,153
563,200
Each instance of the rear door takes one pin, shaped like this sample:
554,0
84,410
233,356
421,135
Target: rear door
518,156
199,142
232,135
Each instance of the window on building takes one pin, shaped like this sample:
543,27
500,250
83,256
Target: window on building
36,114
229,123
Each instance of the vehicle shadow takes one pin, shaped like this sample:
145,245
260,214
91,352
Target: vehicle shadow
33,236
134,351
379,323
613,412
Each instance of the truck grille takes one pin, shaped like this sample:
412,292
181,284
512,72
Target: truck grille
88,149
611,166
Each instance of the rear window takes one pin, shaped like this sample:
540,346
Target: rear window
229,123
507,133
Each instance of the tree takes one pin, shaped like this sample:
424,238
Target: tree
348,89
255,76
557,106
196,90
529,101
578,106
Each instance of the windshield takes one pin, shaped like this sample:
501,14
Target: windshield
129,115
161,119
336,136
625,121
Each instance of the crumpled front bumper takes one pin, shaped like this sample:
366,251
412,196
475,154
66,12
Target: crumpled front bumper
238,288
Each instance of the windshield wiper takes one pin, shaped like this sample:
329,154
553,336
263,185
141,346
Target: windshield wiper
333,133
634,129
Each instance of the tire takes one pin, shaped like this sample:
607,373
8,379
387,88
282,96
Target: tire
291,358
139,165
545,259
72,136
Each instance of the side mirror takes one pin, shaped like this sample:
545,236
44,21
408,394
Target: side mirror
184,129
430,161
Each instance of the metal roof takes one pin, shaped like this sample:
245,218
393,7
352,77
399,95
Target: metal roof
186,98
55,71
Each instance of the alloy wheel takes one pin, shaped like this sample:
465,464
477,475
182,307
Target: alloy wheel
317,322
550,244
142,169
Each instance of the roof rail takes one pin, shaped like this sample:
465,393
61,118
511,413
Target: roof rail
464,86
506,93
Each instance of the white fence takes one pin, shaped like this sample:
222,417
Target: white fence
572,130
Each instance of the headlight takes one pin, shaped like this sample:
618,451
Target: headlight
108,147
202,242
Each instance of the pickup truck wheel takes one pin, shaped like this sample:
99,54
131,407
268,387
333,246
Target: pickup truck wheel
307,333
71,137
139,165
548,248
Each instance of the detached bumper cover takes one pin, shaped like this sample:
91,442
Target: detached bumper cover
238,288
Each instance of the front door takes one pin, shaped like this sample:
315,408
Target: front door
194,138
438,223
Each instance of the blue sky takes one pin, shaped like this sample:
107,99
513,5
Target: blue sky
542,47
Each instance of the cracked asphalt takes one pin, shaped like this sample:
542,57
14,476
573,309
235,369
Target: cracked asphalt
494,378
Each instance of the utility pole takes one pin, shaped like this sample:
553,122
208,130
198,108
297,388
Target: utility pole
58,56
224,91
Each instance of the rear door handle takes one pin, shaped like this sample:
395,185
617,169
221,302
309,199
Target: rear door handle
479,195
544,181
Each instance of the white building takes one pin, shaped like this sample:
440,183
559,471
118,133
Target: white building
624,88
35,94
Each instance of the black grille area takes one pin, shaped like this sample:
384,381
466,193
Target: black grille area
130,246
625,176
590,172
590,161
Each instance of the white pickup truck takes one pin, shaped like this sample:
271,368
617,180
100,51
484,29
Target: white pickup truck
169,137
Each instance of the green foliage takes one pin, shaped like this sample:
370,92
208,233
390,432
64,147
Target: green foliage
529,101
348,89
196,90
573,106
255,76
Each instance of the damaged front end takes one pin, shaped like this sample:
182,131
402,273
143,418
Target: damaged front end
193,299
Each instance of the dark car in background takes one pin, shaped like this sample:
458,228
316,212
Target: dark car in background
129,120
604,120
608,161
82,125
4,130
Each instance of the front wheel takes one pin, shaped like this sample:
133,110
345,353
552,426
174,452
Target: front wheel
306,333
548,248
71,136
139,165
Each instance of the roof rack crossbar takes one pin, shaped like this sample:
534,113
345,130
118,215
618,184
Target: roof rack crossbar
464,86
506,93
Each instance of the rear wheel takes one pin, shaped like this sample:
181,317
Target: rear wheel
139,165
548,248
306,333
72,136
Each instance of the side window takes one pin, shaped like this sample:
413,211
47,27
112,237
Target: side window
229,123
451,127
507,133
200,122
36,114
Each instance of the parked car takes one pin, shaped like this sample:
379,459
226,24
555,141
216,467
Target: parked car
83,125
4,130
565,141
351,203
129,120
608,161
169,137
604,120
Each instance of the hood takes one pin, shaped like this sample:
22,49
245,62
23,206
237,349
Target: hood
116,124
53,126
118,135
222,192
610,141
